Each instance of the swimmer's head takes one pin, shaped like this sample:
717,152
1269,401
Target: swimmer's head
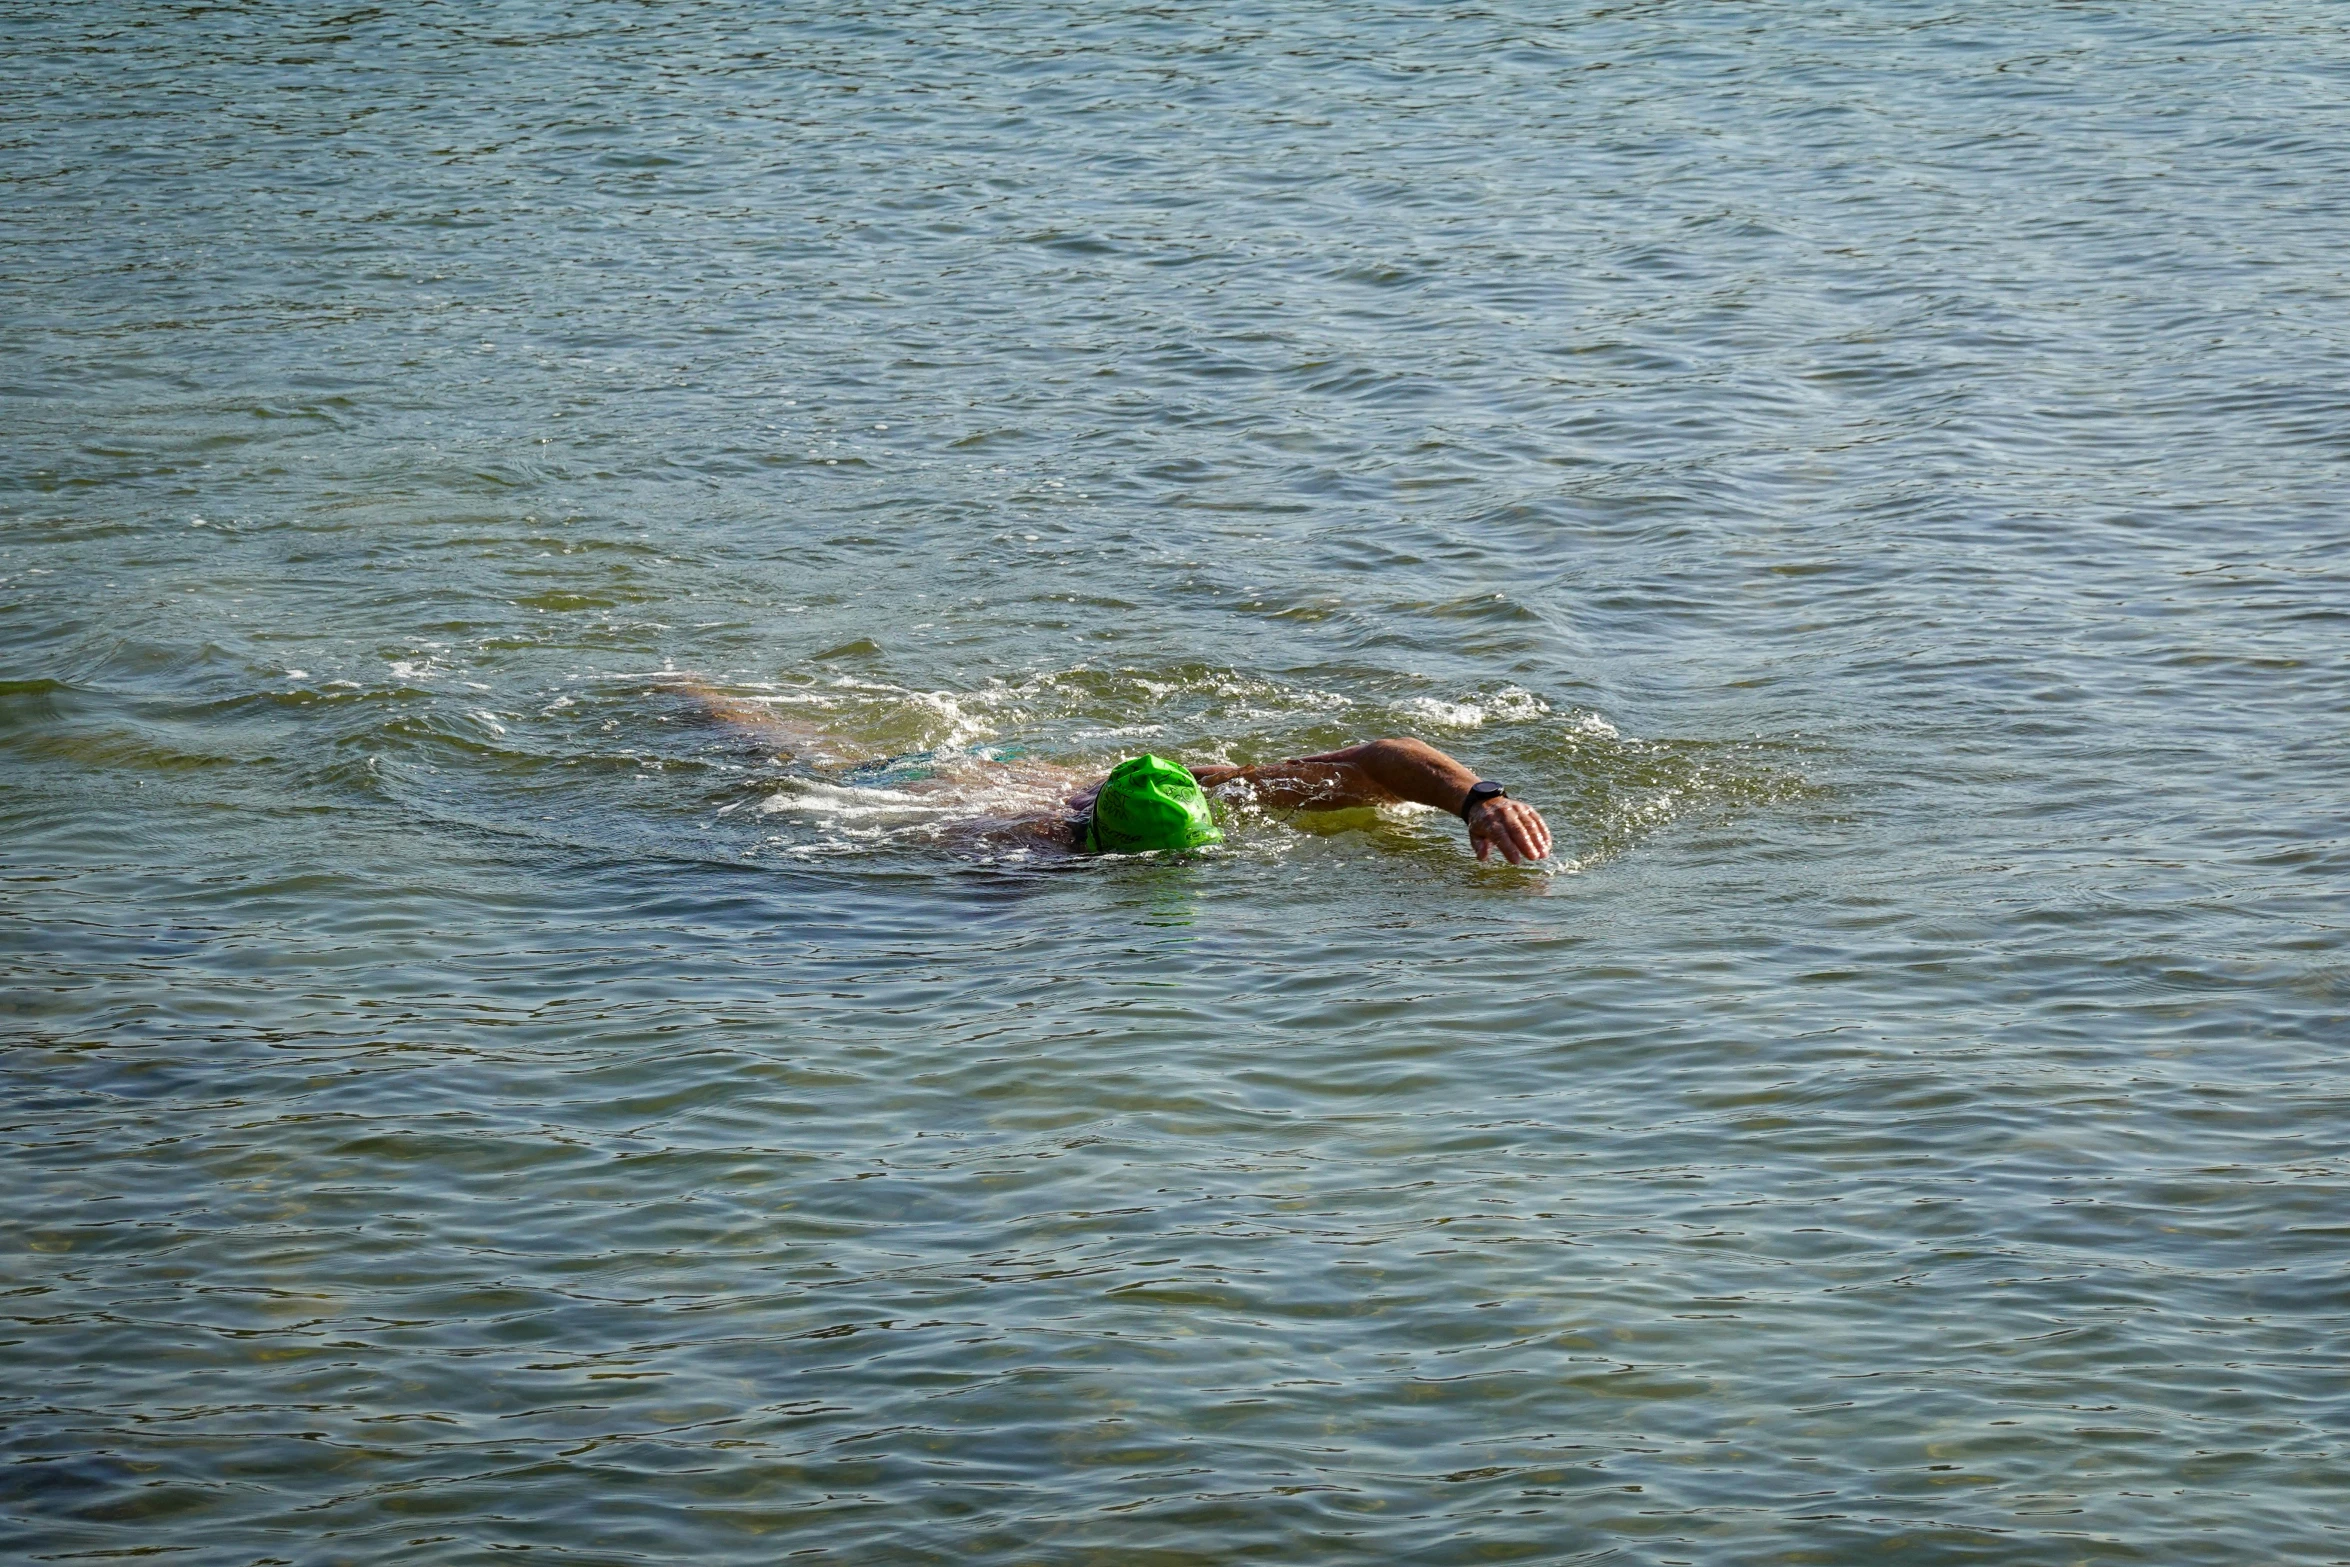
1148,803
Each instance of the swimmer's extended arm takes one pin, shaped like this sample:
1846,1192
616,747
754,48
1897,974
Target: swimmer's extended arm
1380,771
762,722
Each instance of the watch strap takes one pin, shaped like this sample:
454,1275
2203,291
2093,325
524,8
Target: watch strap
1480,792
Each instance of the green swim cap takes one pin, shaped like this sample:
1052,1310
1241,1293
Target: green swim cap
1146,803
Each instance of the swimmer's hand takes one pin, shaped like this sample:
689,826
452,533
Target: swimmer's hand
1513,827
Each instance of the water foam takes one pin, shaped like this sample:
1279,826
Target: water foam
1511,704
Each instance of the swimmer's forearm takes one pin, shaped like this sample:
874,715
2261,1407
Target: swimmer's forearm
1415,770
1410,770
1394,769
1373,773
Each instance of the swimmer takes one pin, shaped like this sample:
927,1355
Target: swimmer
1152,802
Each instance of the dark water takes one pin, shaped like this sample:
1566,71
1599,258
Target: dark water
1874,474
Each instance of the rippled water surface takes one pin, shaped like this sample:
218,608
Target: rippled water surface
1873,473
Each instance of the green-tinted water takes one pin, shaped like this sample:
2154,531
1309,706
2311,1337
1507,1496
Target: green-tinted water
1873,474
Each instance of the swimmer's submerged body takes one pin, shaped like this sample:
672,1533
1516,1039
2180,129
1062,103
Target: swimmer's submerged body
1155,803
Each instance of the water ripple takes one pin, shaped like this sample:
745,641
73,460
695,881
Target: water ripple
1870,475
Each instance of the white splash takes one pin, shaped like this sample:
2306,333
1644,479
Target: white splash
1509,705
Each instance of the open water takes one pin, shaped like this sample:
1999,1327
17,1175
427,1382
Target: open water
1874,473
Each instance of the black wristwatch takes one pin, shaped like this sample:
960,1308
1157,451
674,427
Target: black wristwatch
1479,793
